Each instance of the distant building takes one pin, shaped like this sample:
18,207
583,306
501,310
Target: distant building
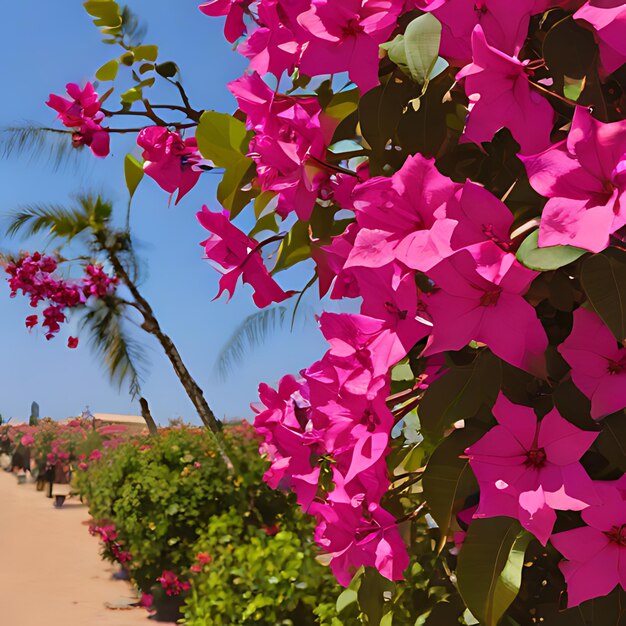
134,423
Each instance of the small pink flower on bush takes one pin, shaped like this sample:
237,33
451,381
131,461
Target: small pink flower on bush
82,112
173,162
596,553
528,469
172,585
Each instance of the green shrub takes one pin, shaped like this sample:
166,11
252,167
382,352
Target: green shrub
259,578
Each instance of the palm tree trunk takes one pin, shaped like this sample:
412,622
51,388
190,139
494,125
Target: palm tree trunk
193,390
147,416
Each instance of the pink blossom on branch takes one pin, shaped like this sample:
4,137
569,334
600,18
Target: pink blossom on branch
528,469
234,10
240,256
82,113
173,162
585,178
345,35
470,307
595,553
501,96
598,363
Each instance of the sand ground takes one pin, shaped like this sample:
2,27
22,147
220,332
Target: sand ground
50,570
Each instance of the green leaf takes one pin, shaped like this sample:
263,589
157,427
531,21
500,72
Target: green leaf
222,138
295,247
346,598
448,479
460,392
261,202
267,222
167,69
489,571
230,192
106,12
380,110
108,71
133,173
612,440
146,53
371,595
546,259
343,104
573,87
421,42
603,277
134,94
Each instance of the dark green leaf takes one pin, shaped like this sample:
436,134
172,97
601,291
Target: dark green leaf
448,479
546,259
168,69
612,440
489,571
295,247
603,277
230,192
460,392
370,594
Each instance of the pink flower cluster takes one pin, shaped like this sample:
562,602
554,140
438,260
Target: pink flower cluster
173,162
172,585
433,263
82,112
33,275
315,36
109,535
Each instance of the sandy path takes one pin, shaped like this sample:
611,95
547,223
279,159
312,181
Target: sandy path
50,570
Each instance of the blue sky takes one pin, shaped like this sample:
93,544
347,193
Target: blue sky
42,50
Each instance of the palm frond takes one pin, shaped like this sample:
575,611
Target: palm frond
53,219
123,357
252,332
52,145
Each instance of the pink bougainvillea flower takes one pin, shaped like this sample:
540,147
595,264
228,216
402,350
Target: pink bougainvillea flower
390,294
480,218
289,439
72,342
585,178
505,25
468,306
596,553
360,536
598,363
345,36
397,217
173,162
291,137
83,114
239,255
83,104
528,469
234,10
608,19
501,95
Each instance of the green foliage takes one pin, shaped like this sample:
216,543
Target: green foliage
161,492
133,173
546,259
255,578
490,567
603,277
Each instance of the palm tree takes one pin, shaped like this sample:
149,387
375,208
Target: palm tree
90,221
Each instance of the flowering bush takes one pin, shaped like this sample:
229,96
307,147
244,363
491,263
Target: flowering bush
457,167
152,498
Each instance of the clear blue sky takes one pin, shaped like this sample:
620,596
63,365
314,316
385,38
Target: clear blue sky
43,47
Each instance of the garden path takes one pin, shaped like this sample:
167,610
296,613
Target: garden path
50,570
